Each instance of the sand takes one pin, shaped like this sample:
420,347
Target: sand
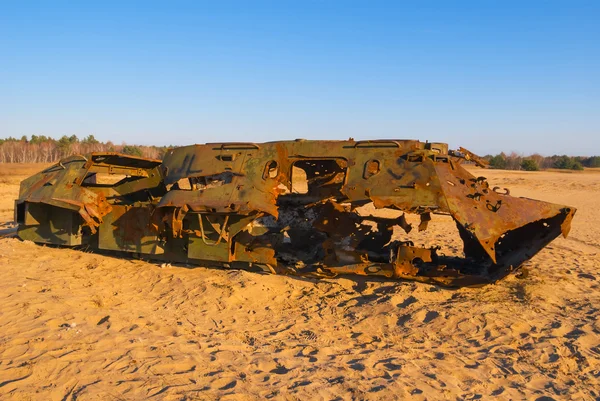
83,326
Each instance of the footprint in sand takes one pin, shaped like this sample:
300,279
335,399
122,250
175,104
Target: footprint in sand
402,320
408,301
430,316
389,365
497,392
300,384
280,370
225,383
426,316
357,366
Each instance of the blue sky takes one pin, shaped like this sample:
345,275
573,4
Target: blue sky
487,75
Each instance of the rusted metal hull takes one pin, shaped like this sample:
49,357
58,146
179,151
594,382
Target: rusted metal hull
291,207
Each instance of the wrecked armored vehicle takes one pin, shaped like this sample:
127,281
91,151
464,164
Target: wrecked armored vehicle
291,207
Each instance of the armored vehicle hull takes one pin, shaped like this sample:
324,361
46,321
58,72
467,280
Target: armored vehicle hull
290,207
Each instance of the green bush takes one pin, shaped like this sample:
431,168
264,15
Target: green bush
577,166
563,162
132,150
529,165
498,161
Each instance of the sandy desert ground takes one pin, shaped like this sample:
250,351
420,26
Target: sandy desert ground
82,326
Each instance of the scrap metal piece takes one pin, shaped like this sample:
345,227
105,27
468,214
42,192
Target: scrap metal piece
291,207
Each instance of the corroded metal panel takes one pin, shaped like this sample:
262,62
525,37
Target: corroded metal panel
128,228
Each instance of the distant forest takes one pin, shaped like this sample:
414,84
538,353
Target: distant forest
537,162
43,149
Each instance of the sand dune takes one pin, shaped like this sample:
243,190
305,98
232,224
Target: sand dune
82,326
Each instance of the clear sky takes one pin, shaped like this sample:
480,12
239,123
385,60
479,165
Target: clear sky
487,75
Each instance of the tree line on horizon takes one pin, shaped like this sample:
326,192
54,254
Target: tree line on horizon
536,162
43,149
